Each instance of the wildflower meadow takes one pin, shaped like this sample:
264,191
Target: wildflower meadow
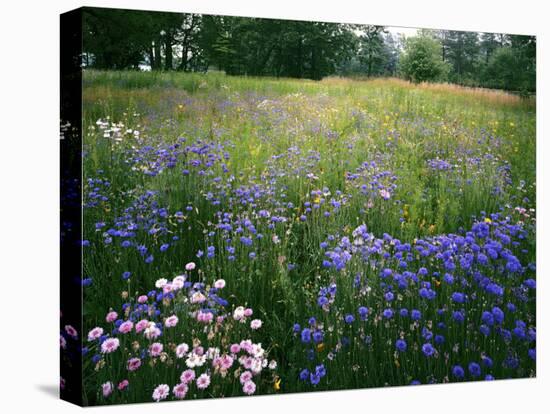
246,236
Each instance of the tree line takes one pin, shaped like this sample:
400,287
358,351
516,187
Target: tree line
127,39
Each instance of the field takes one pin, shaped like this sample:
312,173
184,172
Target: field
259,236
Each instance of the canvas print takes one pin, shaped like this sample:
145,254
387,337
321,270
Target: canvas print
260,206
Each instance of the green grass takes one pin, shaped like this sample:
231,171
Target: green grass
327,129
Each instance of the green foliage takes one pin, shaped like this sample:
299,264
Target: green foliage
129,39
512,67
422,61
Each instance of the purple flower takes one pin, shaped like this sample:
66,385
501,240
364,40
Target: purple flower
428,349
401,345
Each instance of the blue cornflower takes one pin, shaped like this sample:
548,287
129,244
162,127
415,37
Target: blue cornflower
416,315
486,361
389,296
404,312
401,345
318,336
386,273
322,301
306,335
304,374
164,247
448,278
314,379
363,312
349,318
126,275
458,372
487,318
428,349
458,297
498,314
458,316
320,370
530,283
388,313
474,369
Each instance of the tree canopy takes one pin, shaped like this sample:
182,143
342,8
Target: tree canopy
129,39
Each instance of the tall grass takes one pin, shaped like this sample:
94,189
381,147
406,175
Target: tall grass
303,164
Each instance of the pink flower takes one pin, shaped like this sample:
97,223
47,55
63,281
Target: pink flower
111,316
142,299
151,332
155,349
71,331
385,194
122,385
246,362
190,266
125,327
187,376
95,333
161,392
180,390
238,313
133,364
256,324
141,325
197,297
246,345
219,284
178,282
235,348
224,362
248,312
203,381
205,317
110,345
62,342
181,350
171,321
245,377
249,387
107,389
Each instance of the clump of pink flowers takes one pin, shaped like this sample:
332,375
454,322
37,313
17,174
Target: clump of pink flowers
184,327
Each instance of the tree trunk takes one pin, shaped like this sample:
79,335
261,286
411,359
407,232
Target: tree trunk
168,53
151,57
158,59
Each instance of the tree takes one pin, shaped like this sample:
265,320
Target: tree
421,60
371,49
489,43
461,50
513,67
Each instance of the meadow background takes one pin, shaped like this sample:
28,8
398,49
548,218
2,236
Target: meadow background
262,234
265,182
